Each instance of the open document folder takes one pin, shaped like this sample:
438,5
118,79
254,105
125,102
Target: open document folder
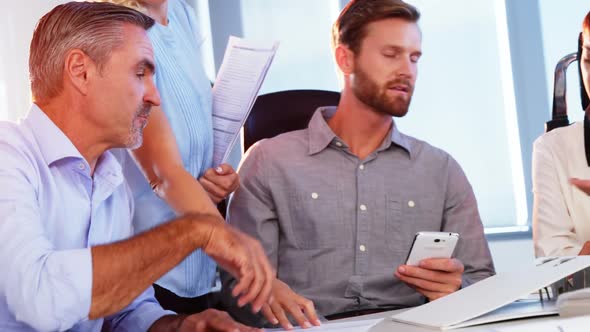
478,303
240,76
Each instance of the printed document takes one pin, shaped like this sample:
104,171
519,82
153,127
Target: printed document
240,76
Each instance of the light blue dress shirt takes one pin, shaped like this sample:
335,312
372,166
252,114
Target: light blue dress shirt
51,212
186,100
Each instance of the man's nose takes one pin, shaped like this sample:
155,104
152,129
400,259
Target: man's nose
406,68
152,95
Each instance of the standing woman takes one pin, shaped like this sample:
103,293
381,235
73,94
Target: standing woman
176,155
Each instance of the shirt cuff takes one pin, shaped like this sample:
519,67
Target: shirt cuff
69,277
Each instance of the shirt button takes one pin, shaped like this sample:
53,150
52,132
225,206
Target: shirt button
81,166
411,204
338,144
315,195
362,166
362,248
363,207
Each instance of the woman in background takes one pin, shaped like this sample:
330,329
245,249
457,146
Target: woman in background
177,150
561,185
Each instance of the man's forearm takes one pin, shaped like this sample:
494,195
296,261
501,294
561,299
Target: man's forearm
122,270
183,193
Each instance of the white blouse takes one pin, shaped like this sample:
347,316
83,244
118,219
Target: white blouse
561,212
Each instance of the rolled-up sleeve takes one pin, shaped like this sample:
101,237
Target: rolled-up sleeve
461,216
140,315
45,288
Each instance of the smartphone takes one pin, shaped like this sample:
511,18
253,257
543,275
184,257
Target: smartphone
432,245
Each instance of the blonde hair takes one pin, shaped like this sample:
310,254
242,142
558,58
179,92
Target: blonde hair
134,4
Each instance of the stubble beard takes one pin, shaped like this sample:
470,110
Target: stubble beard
371,94
135,137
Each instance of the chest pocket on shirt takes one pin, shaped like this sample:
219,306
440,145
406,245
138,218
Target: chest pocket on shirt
316,219
406,217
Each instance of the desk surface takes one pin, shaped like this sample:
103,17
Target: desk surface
388,325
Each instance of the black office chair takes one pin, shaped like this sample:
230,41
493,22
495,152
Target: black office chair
559,116
279,112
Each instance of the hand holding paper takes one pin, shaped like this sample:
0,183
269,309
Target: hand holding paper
219,182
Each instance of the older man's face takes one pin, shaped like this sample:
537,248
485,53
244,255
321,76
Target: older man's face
124,92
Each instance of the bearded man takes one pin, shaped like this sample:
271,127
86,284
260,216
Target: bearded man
336,206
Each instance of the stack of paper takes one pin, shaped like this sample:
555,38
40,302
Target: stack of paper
574,303
240,76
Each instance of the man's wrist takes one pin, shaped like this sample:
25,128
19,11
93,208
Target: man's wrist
202,227
179,321
168,323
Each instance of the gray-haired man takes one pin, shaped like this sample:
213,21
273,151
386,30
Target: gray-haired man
65,210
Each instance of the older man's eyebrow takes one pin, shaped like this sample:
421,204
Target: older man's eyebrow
147,64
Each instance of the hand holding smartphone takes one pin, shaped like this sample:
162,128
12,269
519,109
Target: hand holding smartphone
432,245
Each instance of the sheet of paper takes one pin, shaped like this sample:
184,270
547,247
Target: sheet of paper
348,326
460,308
240,76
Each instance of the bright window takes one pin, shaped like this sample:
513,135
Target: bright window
561,23
464,101
303,60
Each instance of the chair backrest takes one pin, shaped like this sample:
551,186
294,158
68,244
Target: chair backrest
279,112
559,116
583,93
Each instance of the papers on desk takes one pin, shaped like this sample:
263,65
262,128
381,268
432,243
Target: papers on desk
578,324
574,303
240,76
348,326
470,305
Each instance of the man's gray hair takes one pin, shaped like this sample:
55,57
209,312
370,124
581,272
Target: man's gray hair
94,28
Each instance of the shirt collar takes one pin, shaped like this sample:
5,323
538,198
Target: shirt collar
55,146
53,143
321,135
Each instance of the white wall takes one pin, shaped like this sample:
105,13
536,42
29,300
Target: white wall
17,22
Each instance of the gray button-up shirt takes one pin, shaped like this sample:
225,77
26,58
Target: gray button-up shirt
336,227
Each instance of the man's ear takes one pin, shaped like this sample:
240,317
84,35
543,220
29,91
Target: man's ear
344,59
78,69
